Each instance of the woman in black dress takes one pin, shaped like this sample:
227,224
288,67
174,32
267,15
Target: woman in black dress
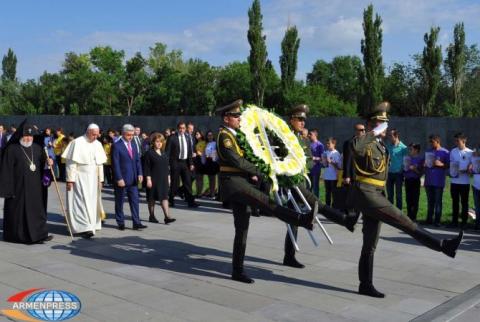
211,167
158,180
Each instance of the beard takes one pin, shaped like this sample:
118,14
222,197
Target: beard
26,144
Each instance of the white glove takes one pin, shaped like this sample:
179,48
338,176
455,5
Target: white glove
380,128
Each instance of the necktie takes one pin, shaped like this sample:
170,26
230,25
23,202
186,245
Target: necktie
130,151
182,148
137,141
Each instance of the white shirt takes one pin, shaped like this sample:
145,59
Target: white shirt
182,140
330,172
476,177
211,151
463,158
231,130
126,143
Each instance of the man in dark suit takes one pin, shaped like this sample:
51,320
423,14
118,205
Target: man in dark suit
3,139
179,151
127,172
348,173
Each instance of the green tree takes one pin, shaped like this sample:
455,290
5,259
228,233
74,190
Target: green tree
9,66
288,59
233,82
198,89
136,83
52,93
431,62
30,92
372,74
109,73
341,77
79,83
273,90
455,64
258,53
321,102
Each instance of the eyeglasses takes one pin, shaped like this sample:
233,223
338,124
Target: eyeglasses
235,116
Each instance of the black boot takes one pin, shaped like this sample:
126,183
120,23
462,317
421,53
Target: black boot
446,246
369,290
242,277
426,238
290,260
351,221
295,218
365,274
239,247
339,217
450,246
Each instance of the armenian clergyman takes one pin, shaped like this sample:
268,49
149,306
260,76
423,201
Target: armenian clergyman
24,218
84,168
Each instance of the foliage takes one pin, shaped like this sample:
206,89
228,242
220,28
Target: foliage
288,59
258,52
341,77
9,66
372,74
104,81
455,65
431,62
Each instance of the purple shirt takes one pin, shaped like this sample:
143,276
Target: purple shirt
417,161
317,151
435,176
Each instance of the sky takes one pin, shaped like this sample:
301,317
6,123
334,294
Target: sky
41,31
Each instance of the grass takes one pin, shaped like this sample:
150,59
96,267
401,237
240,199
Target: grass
422,205
422,211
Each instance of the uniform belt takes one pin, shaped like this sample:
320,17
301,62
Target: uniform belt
371,181
230,169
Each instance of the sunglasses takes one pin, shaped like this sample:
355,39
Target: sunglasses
236,115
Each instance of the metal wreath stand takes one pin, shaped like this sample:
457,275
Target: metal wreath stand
285,197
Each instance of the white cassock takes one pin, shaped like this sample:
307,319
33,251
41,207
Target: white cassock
84,167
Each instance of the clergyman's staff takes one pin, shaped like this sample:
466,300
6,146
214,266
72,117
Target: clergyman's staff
59,196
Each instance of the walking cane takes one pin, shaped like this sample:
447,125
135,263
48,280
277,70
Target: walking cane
59,197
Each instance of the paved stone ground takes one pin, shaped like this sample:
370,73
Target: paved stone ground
181,272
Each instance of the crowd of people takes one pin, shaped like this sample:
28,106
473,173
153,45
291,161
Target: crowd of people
169,163
166,164
410,168
163,164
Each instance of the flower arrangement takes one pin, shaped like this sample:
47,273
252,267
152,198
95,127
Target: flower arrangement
271,145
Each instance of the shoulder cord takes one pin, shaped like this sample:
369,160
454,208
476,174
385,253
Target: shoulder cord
376,170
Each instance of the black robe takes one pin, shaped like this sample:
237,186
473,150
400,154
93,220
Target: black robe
24,216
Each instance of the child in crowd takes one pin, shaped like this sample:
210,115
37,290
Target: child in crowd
413,170
331,161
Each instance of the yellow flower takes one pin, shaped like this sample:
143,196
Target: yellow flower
256,118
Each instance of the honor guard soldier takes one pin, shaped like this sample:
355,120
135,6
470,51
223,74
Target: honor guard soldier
237,186
298,116
370,161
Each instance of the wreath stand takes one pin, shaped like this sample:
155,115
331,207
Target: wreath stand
285,197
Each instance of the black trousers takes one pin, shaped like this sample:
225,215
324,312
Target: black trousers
179,169
459,193
330,186
241,218
107,170
389,214
412,191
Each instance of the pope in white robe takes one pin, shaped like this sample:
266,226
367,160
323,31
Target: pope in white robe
84,158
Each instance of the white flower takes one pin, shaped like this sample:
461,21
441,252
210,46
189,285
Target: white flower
254,121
